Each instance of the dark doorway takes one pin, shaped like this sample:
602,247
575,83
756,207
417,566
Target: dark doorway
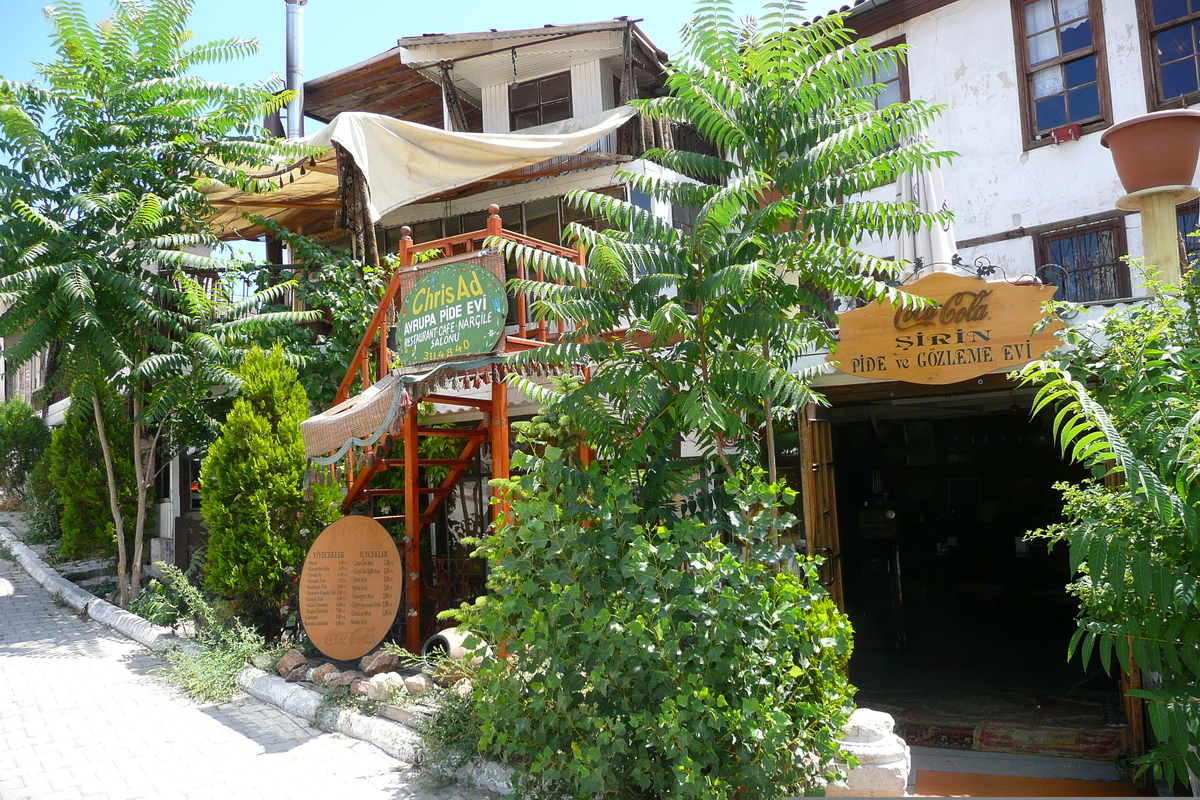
961,626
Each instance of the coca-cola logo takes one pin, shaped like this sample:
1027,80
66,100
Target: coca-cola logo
959,308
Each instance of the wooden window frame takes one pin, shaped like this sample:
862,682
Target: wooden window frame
1043,239
1029,133
512,113
1147,31
901,67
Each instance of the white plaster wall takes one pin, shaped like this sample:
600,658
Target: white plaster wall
495,108
963,57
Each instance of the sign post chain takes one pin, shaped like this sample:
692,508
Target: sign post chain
412,530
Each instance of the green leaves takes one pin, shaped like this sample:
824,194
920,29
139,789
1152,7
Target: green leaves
647,659
1126,400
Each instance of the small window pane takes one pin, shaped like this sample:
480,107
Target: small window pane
1051,112
475,221
553,112
888,73
557,87
1047,82
1175,43
524,95
1069,10
1179,78
1167,10
1076,36
1043,47
1039,16
889,95
1081,71
427,231
1084,104
525,119
510,217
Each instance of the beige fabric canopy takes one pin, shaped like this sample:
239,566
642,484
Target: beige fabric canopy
403,162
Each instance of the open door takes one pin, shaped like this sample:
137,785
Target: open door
818,494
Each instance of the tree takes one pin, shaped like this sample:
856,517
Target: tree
76,472
252,493
708,321
23,439
629,595
1126,399
102,235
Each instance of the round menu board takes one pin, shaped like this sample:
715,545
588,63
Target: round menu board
350,587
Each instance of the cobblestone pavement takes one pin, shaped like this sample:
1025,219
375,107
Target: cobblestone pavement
82,717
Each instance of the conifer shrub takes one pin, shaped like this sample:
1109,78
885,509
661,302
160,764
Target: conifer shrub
76,471
252,494
43,504
23,439
650,659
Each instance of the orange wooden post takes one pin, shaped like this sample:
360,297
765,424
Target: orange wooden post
385,356
412,530
499,439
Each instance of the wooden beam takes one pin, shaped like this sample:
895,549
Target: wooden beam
386,492
452,478
470,402
499,431
454,433
412,529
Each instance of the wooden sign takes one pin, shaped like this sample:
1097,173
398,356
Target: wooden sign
977,327
455,310
350,587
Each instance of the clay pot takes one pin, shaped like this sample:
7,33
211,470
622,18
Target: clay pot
1157,149
448,644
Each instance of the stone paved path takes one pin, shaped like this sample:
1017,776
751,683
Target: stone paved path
81,717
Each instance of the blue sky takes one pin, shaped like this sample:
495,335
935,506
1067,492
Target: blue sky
341,32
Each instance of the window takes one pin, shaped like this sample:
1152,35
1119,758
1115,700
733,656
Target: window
1065,80
1171,45
1085,262
893,78
1188,219
539,102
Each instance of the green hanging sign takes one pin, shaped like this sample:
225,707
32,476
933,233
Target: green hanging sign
456,310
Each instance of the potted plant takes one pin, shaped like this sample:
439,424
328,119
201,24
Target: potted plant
1155,150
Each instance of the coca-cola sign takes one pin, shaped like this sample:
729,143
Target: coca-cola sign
975,327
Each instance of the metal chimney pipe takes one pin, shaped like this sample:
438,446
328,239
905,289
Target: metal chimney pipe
295,67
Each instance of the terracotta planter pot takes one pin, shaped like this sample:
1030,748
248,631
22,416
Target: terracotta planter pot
458,663
1158,149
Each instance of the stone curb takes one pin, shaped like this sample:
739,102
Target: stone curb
395,739
154,637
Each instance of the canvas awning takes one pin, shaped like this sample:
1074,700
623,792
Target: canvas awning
403,162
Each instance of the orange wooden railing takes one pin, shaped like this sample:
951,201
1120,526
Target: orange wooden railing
377,330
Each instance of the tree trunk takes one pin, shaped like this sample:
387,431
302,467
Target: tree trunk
114,503
140,472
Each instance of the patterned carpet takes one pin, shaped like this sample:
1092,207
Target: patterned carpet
1083,724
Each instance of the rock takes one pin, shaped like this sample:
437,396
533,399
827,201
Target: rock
341,678
292,660
883,757
384,685
317,676
379,661
463,689
263,660
418,684
360,687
